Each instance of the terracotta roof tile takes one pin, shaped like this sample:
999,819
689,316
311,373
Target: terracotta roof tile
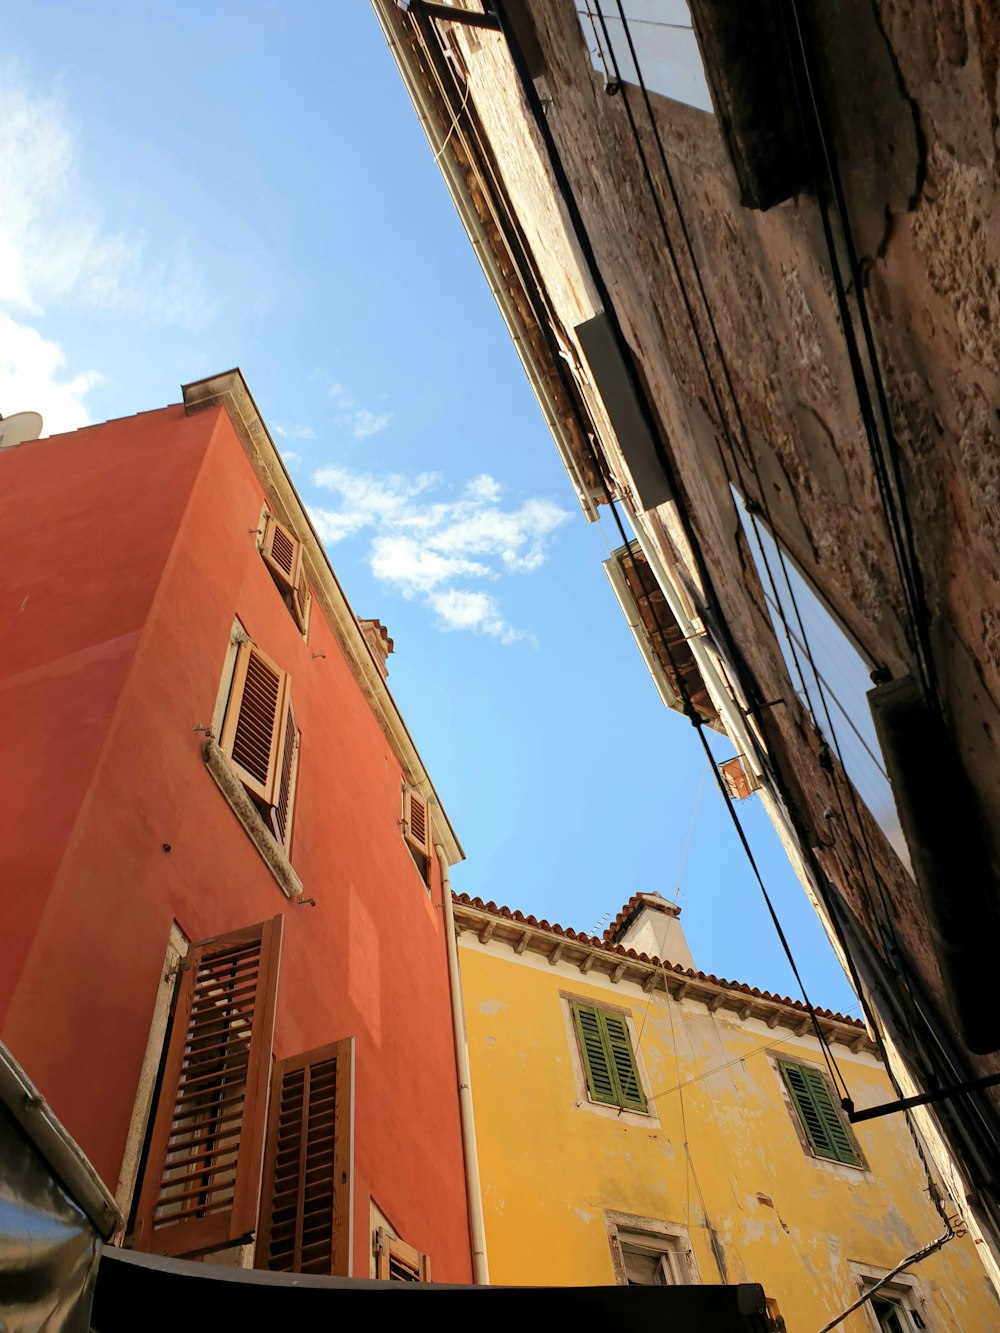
606,946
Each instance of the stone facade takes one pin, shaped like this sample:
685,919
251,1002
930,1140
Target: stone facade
729,320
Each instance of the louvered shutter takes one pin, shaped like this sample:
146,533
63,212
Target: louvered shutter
284,788
596,1056
283,552
301,603
623,1061
416,821
398,1262
828,1136
251,732
202,1175
306,1197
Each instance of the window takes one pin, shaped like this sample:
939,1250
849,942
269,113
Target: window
897,1307
651,1261
417,831
395,1261
608,1059
647,1253
282,553
305,1200
892,1316
827,1132
210,1155
203,1162
832,673
665,45
261,738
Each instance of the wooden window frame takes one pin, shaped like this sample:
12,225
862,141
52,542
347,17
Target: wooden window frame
670,1239
619,1098
390,1251
817,1078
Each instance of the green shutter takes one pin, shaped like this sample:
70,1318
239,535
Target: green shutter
821,1118
596,1056
623,1062
612,1076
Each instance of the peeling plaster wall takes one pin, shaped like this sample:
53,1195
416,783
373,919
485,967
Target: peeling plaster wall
552,1167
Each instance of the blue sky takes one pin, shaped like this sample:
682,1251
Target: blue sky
190,187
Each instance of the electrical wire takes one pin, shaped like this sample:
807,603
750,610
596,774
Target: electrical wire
908,1262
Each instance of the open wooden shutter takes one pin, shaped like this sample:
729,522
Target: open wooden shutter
623,1061
282,551
284,787
202,1175
828,1135
301,603
416,821
596,1058
306,1198
251,732
395,1261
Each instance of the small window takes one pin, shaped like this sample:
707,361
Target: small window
282,553
395,1261
417,831
651,1261
892,1316
608,1058
261,738
827,1132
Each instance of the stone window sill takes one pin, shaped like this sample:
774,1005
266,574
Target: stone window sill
246,812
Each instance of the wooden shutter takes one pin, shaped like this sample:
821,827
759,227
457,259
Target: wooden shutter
284,787
395,1261
623,1061
301,603
251,732
416,821
828,1135
608,1060
202,1174
282,551
306,1199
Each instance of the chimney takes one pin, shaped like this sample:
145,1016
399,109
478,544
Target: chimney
650,924
379,643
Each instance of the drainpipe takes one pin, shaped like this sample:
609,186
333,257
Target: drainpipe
477,1226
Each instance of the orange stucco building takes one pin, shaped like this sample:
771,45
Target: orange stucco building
214,821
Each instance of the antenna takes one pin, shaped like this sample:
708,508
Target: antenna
19,428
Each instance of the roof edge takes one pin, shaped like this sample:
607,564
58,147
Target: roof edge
617,963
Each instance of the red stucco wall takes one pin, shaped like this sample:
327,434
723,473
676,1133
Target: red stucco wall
140,553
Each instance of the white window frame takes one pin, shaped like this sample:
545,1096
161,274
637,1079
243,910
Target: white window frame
668,1239
904,1290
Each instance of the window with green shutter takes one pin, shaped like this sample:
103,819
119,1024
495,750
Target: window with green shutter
608,1058
828,1133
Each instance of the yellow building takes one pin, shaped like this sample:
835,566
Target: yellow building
642,1122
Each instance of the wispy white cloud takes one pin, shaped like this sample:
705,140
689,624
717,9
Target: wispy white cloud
351,415
33,378
55,245
295,432
434,548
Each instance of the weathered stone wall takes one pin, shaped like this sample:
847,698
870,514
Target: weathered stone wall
913,117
